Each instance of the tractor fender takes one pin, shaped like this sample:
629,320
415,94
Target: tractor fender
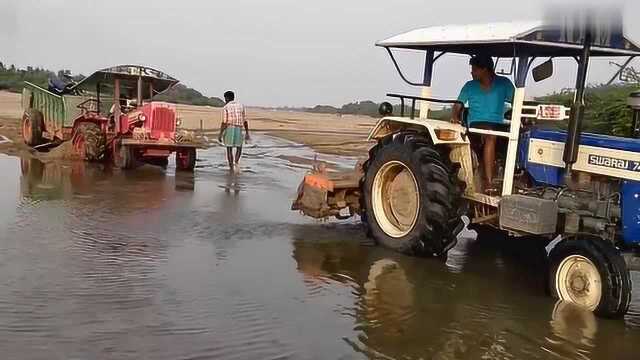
389,125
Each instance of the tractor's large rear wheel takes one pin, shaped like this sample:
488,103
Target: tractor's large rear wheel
591,273
411,196
32,127
89,142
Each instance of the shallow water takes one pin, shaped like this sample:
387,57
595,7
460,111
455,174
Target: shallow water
99,264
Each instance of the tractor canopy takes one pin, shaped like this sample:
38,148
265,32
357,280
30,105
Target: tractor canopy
511,39
156,82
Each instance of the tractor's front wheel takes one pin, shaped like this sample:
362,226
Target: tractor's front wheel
32,127
591,273
410,196
89,142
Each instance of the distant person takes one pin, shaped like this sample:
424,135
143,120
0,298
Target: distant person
234,118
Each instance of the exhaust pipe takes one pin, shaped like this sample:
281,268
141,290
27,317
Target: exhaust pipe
577,110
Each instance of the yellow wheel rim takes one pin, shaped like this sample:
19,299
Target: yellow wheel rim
578,281
395,199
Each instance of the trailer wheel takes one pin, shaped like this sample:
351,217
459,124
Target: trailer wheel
591,273
32,127
186,160
89,141
123,156
410,196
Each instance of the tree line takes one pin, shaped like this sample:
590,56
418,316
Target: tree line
606,110
366,108
12,79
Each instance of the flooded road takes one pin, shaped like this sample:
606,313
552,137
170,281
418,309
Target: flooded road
100,264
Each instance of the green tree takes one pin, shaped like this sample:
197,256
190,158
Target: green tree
606,110
181,94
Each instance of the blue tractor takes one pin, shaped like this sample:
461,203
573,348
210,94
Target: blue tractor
579,191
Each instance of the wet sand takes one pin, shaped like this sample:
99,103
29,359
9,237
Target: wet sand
10,126
327,134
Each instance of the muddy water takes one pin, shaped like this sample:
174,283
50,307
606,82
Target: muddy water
100,264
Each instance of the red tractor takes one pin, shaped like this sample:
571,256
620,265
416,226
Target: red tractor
110,116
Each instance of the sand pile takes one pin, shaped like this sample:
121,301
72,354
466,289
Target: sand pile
63,151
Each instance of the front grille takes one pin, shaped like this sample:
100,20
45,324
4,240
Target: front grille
163,120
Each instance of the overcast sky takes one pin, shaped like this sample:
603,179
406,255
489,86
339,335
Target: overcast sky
272,52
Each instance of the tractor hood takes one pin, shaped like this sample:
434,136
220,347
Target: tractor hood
588,139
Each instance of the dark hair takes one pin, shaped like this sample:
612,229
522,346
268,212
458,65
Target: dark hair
482,61
229,96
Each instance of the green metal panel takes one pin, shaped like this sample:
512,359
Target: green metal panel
72,112
52,106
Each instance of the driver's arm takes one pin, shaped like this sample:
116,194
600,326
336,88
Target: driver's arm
456,113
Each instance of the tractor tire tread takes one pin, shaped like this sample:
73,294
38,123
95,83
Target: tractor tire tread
94,140
433,231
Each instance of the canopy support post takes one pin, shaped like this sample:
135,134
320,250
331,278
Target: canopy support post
426,84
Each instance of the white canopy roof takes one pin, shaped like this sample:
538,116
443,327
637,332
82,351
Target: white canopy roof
473,33
501,39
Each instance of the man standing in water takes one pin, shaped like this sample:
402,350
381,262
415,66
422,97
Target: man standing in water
234,118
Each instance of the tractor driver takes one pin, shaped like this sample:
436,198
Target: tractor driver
485,96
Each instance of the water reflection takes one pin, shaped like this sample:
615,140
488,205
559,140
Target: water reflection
148,187
148,263
185,181
53,181
408,308
574,324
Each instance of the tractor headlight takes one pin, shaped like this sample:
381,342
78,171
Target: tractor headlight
446,134
142,117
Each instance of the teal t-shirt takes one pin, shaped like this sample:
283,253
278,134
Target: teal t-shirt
487,105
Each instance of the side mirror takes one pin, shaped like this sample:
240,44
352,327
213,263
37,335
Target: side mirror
542,71
385,109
